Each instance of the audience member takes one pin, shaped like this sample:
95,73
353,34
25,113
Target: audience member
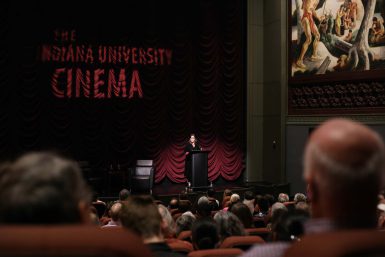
270,199
303,206
262,206
184,206
234,198
243,213
339,155
249,201
43,188
299,197
141,215
261,214
106,215
99,205
124,194
381,214
226,197
184,223
94,218
276,207
228,225
288,225
213,201
203,208
205,234
174,204
115,215
169,229
283,198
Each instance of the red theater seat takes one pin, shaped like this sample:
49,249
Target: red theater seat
216,253
353,243
241,242
185,235
180,246
69,241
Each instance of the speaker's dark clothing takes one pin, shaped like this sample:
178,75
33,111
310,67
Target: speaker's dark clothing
189,147
187,168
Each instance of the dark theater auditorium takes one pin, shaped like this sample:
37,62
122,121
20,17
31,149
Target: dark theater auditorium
196,128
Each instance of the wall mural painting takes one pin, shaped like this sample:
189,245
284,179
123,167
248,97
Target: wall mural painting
334,41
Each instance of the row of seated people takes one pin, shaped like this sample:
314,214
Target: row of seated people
344,165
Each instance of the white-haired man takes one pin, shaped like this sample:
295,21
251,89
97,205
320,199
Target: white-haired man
343,160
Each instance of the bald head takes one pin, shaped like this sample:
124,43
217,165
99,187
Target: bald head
115,211
343,160
345,147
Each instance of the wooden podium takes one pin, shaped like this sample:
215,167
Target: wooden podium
196,165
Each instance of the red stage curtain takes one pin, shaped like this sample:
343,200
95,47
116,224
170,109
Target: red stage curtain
202,92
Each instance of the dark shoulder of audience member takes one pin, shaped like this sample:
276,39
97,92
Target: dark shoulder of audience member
249,195
184,205
205,234
263,206
243,213
288,225
270,198
43,188
213,201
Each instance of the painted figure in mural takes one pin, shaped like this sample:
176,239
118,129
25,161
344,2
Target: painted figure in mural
377,31
309,28
349,37
340,21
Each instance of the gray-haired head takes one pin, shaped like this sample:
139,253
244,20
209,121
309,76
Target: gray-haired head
169,224
282,198
228,225
41,188
299,197
277,206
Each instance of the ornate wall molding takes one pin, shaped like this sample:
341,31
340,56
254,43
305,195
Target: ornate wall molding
337,98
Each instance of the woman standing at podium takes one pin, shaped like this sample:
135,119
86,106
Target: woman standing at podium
192,145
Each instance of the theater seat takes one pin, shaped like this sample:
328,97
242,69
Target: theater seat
185,235
262,232
216,253
142,177
352,243
241,242
69,241
179,246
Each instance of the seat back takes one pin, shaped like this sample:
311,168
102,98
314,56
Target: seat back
216,253
262,232
185,235
69,241
180,246
352,243
241,242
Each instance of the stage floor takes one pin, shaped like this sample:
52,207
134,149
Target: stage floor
167,190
